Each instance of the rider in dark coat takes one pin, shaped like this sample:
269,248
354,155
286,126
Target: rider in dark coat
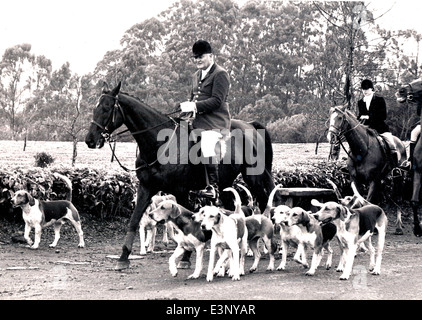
208,100
372,110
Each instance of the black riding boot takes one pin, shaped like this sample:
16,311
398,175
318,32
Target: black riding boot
411,151
211,191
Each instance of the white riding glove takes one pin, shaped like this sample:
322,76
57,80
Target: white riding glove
188,106
364,117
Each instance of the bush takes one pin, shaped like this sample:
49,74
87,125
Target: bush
95,192
43,159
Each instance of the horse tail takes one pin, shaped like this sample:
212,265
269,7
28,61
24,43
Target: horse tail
268,146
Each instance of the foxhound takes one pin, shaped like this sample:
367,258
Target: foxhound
352,223
188,233
39,214
228,232
147,239
311,234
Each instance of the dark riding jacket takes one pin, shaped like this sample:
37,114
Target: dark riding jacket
210,95
377,114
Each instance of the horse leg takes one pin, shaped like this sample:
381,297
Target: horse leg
142,202
417,230
260,186
372,192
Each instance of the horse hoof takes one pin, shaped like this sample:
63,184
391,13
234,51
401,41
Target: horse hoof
399,232
122,265
184,265
417,230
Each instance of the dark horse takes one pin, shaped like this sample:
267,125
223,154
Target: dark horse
413,93
368,162
250,143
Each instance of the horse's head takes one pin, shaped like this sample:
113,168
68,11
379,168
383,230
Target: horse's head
411,92
108,116
336,121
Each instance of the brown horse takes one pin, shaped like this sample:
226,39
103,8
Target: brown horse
249,152
413,93
368,160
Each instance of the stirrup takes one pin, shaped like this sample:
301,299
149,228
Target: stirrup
406,165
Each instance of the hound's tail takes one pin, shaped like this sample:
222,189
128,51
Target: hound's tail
68,184
237,201
335,188
270,202
249,194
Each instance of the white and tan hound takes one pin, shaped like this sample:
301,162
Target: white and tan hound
148,226
39,214
355,226
312,235
188,233
230,233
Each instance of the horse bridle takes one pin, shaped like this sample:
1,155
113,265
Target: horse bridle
340,133
111,119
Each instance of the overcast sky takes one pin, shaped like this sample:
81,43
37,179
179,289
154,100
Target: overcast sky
82,31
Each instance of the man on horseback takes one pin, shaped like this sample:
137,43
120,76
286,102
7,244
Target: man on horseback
373,112
208,103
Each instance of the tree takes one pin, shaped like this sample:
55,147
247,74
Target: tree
15,83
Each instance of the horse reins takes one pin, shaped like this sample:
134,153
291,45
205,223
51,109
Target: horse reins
112,118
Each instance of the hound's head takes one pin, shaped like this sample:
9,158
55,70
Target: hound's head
210,216
298,215
353,202
22,197
165,210
330,211
280,214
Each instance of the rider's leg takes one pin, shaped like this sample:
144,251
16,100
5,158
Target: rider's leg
414,135
388,137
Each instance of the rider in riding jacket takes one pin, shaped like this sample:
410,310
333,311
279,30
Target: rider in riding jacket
373,112
208,102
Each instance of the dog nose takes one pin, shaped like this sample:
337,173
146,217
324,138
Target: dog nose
202,226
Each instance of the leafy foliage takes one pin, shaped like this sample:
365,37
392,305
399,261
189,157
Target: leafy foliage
95,192
43,159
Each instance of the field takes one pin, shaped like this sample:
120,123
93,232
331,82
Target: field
285,155
68,273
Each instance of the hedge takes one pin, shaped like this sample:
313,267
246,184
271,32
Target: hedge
106,195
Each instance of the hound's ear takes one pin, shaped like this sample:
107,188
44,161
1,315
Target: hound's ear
316,203
116,90
305,217
218,217
175,211
30,199
342,212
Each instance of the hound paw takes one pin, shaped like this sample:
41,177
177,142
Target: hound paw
310,273
236,278
193,276
344,277
251,270
375,272
281,267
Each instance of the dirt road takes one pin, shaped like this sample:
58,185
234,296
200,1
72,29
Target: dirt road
75,274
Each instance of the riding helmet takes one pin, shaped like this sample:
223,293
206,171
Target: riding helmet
367,84
201,47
